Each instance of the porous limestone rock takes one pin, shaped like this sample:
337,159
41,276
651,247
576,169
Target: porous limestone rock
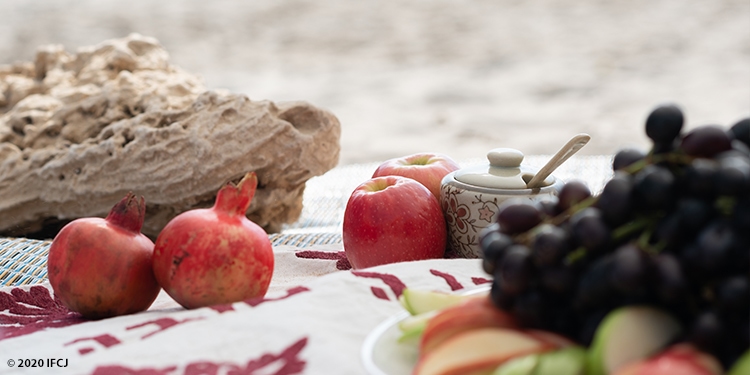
79,131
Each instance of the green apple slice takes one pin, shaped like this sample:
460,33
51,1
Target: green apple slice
416,322
519,366
566,361
421,301
410,337
413,325
402,301
629,334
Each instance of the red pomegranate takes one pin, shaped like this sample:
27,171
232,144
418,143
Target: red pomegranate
102,267
215,255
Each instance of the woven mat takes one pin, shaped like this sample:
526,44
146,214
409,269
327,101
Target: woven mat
24,261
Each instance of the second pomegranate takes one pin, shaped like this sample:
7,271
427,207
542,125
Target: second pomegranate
215,255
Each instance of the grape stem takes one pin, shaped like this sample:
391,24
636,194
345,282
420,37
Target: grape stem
670,157
631,227
525,238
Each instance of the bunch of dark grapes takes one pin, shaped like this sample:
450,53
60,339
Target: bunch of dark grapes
671,229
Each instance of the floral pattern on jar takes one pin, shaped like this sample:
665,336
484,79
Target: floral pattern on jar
466,220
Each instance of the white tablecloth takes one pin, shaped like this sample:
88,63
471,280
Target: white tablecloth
313,320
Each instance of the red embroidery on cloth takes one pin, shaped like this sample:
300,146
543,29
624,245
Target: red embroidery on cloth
162,323
257,301
396,285
289,292
450,279
288,362
480,280
342,263
104,340
222,308
379,292
31,311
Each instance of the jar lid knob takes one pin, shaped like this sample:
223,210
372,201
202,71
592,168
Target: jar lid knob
505,157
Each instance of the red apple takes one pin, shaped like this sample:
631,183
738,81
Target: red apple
392,219
427,168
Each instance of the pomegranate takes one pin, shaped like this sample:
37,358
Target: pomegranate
215,255
102,267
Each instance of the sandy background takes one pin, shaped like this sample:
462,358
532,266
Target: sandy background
458,77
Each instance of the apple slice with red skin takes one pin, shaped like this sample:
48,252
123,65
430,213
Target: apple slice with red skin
474,313
552,338
681,359
478,351
427,168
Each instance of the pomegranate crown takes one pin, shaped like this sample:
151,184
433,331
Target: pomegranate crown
236,199
128,213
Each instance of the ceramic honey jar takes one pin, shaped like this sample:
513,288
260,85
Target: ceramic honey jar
470,197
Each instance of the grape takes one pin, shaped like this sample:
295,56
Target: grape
499,298
741,216
631,273
571,194
595,288
711,249
529,309
558,280
547,207
741,131
494,245
740,148
707,331
733,294
706,141
550,245
654,187
615,199
670,229
700,178
589,229
671,284
664,124
515,269
626,157
518,217
733,176
694,213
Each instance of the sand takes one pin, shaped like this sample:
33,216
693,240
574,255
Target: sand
457,77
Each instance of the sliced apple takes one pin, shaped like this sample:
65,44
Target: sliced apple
551,337
473,313
413,326
413,322
629,334
570,360
478,351
410,337
519,366
680,359
402,301
417,301
742,365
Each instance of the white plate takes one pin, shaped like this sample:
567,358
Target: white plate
382,354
